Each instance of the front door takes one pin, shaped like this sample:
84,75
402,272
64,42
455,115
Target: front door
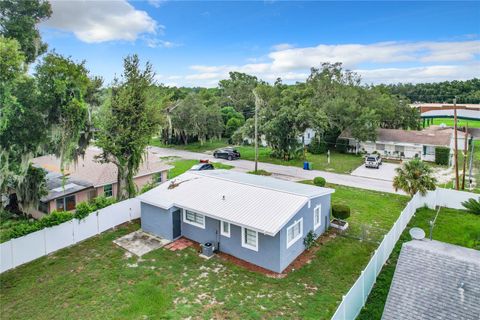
177,231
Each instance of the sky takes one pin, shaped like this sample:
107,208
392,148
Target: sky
196,43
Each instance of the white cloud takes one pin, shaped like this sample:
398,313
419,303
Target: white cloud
158,43
99,21
282,46
156,3
388,62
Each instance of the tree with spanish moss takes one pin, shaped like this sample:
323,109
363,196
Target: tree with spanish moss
128,122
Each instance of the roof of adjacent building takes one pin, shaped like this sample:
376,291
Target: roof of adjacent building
89,169
444,105
433,135
435,280
58,187
461,114
260,203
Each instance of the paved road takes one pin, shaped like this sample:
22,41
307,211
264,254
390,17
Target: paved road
286,172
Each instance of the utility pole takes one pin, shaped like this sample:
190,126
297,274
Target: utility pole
465,152
455,151
257,103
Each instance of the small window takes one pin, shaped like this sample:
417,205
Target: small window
225,229
43,206
294,232
317,216
249,239
92,194
60,204
194,218
400,148
70,203
380,146
157,177
428,150
108,190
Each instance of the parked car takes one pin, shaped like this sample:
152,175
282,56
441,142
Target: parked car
228,153
373,161
202,166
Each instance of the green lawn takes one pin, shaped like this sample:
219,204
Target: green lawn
453,226
96,279
339,162
460,122
181,165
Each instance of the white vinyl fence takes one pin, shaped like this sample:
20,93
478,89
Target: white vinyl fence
353,302
40,243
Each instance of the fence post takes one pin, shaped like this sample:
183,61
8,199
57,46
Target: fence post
344,308
363,288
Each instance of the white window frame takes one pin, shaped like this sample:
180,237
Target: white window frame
299,236
222,230
247,245
104,193
319,208
192,222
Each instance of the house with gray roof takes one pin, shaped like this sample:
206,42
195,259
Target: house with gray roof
88,178
435,280
259,219
407,144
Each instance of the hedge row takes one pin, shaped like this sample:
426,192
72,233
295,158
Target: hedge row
442,155
56,217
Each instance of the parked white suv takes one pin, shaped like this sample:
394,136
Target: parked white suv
373,161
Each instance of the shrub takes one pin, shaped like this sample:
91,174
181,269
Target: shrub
472,206
342,145
317,147
442,155
83,210
102,202
319,181
309,240
55,218
340,211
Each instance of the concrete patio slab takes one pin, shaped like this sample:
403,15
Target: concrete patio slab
385,172
140,243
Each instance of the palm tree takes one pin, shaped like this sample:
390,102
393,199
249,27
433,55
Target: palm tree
413,176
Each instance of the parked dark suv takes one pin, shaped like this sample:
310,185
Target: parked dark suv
227,153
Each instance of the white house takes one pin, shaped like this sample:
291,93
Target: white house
408,144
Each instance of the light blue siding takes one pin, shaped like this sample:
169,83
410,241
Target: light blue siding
287,255
272,253
157,221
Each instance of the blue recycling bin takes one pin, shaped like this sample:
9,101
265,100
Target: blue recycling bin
306,165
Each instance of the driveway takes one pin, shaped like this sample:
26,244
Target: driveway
385,172
285,172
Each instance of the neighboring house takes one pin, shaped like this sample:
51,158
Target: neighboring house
259,219
434,280
408,144
305,138
88,178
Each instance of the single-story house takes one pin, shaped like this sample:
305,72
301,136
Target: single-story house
261,220
407,144
305,138
87,179
434,280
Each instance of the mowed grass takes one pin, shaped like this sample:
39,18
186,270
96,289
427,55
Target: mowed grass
97,280
339,162
452,226
460,122
182,165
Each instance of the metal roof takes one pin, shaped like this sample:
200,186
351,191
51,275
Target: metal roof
58,187
435,280
461,114
260,203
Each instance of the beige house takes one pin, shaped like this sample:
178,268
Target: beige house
408,144
88,178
